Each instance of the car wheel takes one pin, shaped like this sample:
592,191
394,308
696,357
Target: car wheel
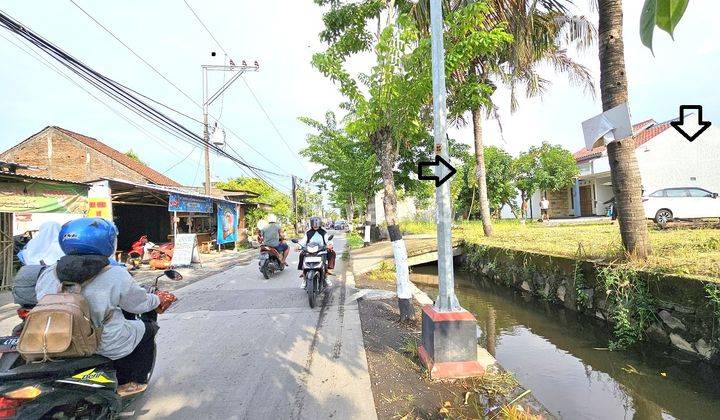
663,216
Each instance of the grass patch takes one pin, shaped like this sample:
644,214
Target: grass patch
354,240
384,272
688,252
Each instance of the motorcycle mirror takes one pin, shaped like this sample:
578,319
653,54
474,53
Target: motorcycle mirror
173,275
294,241
330,237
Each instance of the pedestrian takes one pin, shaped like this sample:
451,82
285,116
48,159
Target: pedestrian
545,208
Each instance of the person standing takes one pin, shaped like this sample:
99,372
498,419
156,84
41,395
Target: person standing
545,208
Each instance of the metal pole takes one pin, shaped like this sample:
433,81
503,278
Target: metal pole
206,134
446,301
294,199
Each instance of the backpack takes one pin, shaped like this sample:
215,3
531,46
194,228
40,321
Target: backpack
60,327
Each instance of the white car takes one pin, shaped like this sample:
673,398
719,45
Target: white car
681,203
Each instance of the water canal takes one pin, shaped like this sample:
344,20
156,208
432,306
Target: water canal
563,358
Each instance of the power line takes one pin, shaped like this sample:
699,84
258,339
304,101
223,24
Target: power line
164,77
115,90
206,28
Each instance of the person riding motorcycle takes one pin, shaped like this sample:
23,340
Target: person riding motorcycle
319,236
273,235
88,244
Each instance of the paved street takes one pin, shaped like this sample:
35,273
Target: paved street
238,346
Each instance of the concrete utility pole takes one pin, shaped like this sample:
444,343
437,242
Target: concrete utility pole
446,301
294,199
209,99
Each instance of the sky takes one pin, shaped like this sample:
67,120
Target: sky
282,35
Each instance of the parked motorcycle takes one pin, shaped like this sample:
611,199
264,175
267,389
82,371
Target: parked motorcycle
71,388
314,269
160,255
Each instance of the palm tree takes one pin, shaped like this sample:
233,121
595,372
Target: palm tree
624,169
540,29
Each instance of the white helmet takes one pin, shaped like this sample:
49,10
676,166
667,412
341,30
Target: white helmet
272,218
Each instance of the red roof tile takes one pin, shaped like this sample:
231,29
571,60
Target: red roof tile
648,130
150,174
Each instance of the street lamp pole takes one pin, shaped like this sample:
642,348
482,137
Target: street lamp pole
446,301
209,99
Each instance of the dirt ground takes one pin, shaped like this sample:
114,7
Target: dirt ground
401,385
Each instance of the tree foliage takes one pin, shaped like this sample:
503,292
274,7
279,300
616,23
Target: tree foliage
280,203
665,14
545,168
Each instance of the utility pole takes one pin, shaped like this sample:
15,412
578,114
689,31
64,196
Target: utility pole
208,99
294,199
449,340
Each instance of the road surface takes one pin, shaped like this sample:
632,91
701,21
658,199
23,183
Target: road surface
237,346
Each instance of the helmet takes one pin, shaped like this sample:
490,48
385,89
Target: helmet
88,236
315,222
272,218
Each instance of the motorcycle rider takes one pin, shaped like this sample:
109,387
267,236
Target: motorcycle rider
319,236
273,235
88,244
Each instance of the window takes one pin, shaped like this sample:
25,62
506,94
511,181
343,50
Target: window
676,192
658,193
697,192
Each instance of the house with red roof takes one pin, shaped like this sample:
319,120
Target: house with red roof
665,159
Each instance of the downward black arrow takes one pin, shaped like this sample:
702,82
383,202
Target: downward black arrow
692,131
438,181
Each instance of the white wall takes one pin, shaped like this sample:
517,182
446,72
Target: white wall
669,160
603,193
22,222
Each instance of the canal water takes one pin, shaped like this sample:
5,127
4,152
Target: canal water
562,358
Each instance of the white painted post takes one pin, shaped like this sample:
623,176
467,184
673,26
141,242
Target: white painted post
446,301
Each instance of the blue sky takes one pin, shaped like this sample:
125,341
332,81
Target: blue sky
282,35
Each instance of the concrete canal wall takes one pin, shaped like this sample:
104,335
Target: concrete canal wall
671,310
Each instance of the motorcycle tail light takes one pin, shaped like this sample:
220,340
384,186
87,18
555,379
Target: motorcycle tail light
23,313
25,393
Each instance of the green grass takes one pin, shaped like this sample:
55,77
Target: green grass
354,240
689,252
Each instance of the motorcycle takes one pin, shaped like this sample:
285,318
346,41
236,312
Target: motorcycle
71,388
159,255
270,260
314,269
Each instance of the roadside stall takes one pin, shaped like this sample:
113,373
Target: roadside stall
28,201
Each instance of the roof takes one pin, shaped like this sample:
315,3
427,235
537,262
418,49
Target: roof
644,132
115,183
150,174
21,177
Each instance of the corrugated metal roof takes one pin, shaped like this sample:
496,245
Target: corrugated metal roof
167,189
8,175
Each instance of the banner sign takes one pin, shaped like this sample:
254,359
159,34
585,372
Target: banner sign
100,207
186,250
184,203
40,197
227,221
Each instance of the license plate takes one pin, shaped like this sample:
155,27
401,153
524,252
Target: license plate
8,344
313,259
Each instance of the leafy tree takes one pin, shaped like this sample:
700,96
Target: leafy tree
538,29
545,168
500,183
624,169
280,203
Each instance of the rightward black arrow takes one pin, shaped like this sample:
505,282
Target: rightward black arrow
691,132
438,181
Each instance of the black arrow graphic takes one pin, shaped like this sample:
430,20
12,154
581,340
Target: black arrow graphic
691,132
438,181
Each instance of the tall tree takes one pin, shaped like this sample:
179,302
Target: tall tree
624,170
539,30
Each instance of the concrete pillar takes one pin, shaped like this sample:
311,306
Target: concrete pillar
576,198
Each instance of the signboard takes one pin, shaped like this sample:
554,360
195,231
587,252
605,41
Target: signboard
100,207
613,124
40,197
184,203
186,250
226,223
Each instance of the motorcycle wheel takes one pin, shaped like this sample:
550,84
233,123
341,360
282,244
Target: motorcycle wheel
312,298
265,269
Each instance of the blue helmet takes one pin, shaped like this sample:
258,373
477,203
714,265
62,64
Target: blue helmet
88,236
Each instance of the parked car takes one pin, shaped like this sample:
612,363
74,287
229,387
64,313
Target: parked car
341,225
681,203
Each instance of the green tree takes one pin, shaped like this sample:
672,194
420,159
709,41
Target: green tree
280,203
131,154
545,168
500,183
665,14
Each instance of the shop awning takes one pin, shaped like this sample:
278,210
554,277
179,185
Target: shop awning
132,193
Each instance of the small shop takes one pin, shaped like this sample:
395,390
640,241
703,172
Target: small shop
26,202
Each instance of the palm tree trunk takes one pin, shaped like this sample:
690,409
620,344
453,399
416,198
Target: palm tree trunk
386,155
621,154
480,172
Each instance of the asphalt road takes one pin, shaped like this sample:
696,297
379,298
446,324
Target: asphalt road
238,346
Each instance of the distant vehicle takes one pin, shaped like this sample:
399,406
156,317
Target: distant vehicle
341,225
681,203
